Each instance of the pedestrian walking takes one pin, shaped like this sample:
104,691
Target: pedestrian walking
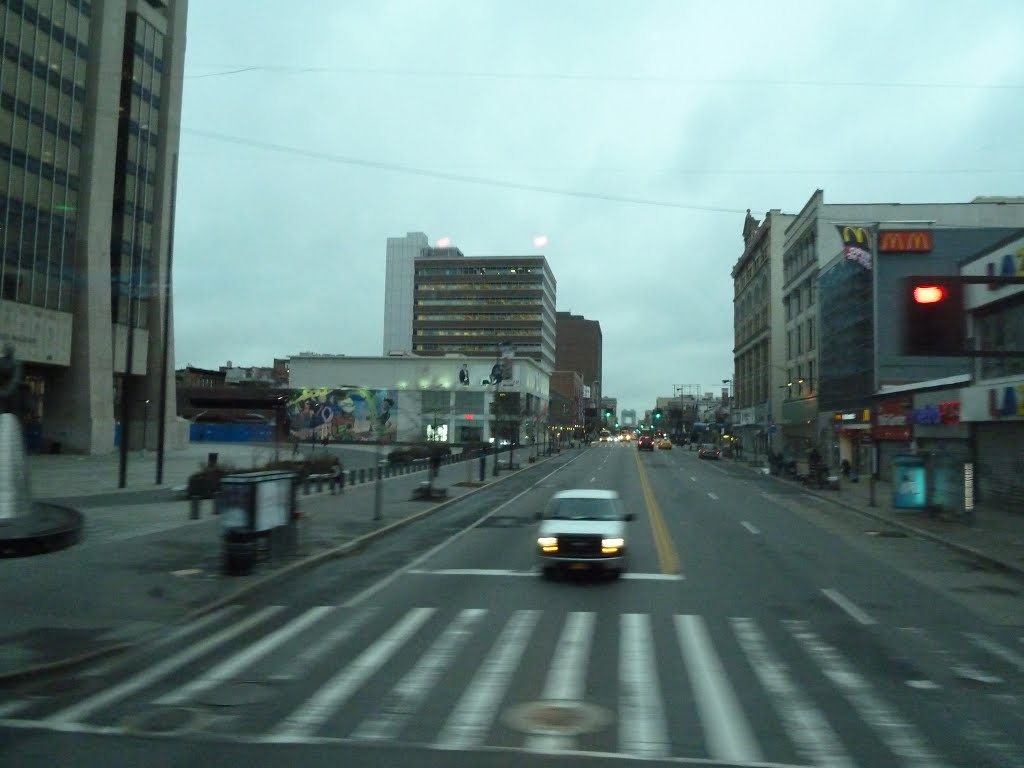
337,477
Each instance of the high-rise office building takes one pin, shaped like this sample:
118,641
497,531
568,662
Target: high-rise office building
439,301
579,349
90,115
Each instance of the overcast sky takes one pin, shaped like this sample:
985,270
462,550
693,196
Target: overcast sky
633,134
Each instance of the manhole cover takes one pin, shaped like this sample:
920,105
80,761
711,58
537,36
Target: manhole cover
165,720
556,718
238,693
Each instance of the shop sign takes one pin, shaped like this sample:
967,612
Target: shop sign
892,420
844,418
1006,401
905,241
939,413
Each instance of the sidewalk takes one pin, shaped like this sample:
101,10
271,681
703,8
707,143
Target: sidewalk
996,536
143,564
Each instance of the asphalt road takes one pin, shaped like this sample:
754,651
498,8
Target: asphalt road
758,626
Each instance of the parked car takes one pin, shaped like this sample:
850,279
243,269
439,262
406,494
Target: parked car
583,530
709,451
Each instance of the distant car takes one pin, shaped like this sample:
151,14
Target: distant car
583,530
708,451
645,443
665,444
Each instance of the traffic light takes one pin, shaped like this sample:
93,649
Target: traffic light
608,413
657,413
934,319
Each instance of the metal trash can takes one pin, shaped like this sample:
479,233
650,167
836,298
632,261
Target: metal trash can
239,551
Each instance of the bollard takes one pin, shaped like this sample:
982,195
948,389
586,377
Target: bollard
305,487
319,483
362,475
193,502
483,466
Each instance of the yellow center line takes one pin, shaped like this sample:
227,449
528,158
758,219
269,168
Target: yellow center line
667,554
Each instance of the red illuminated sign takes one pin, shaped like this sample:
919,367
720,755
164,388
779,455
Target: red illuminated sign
905,241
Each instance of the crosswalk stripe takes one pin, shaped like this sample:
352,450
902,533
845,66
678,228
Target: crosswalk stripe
642,728
244,658
311,715
158,671
199,624
567,674
408,696
998,650
468,724
301,663
807,728
897,734
728,733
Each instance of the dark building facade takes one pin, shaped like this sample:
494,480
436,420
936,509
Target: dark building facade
578,348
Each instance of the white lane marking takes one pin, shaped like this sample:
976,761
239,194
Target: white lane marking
729,735
809,731
326,701
750,527
566,679
231,666
996,649
896,733
713,496
311,654
693,479
410,693
468,724
532,573
376,587
470,572
642,728
158,671
852,610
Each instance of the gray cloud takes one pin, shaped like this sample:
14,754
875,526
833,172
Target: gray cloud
715,105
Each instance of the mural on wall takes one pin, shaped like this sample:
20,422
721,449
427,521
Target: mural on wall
345,414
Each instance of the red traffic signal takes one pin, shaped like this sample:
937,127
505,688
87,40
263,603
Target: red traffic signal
934,321
929,294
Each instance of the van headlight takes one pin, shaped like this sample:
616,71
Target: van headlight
611,546
548,543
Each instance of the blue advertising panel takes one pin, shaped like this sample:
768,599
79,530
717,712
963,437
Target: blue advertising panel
909,483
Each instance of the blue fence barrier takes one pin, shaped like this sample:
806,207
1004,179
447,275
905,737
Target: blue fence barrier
231,433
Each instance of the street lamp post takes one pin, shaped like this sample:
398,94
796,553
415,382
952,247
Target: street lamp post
145,424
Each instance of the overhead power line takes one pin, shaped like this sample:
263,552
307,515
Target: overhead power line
458,177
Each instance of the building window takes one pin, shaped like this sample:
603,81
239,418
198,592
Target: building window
810,377
789,343
799,340
810,334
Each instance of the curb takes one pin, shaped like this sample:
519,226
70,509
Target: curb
964,549
62,665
